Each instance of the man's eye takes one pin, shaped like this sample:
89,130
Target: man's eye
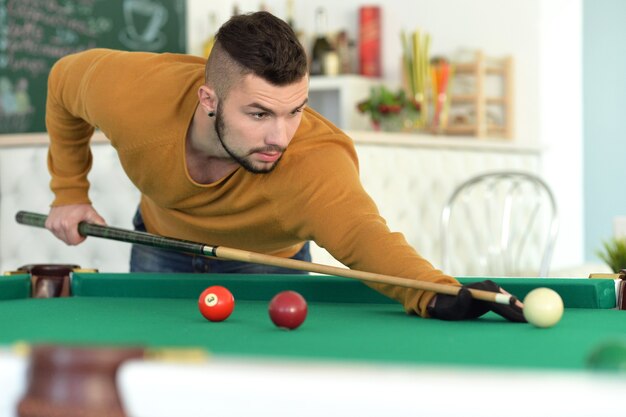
296,111
259,115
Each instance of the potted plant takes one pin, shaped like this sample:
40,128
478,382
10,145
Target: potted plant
614,253
389,111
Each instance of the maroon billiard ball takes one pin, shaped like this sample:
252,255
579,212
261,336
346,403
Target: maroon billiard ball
216,303
288,309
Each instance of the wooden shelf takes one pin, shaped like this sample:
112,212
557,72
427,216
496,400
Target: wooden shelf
471,98
459,129
478,104
463,98
470,68
502,101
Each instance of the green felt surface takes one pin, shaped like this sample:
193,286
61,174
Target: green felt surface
576,293
14,286
348,332
161,311
243,287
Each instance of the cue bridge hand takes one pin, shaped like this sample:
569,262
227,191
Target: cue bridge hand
465,307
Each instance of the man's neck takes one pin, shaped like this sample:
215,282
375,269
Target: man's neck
204,162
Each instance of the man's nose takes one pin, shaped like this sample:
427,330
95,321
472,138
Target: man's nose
279,134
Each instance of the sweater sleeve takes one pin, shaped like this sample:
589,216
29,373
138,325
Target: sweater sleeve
69,154
138,100
332,208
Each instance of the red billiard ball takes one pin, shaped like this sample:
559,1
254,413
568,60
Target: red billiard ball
216,303
288,309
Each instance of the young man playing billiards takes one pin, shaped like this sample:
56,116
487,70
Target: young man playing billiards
227,152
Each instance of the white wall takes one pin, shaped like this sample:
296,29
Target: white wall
544,37
495,26
560,122
604,66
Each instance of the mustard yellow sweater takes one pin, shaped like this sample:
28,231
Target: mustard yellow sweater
144,103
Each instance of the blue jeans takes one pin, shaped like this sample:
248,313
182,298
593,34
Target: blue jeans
150,259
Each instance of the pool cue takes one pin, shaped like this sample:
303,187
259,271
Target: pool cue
222,252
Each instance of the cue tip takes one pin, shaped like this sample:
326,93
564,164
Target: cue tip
505,299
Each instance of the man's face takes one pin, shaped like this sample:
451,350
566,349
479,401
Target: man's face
258,120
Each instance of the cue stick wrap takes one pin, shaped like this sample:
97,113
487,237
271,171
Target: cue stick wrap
222,252
114,233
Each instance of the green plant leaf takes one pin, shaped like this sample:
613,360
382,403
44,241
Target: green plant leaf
614,253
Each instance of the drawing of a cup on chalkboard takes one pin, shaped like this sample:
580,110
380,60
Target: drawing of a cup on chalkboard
143,22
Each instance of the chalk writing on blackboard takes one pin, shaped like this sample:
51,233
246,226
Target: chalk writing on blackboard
34,34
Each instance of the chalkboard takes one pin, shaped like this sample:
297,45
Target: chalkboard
34,34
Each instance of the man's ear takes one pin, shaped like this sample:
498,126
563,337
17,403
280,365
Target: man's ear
207,98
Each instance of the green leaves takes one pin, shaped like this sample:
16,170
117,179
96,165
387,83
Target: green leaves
383,102
614,253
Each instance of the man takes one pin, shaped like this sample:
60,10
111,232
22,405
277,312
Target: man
228,153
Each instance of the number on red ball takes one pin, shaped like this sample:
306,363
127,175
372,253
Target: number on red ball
288,309
216,303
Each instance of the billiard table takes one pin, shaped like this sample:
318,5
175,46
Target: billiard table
357,353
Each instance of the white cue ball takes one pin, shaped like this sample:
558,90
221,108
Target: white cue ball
543,307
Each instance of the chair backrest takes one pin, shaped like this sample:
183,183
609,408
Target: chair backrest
503,224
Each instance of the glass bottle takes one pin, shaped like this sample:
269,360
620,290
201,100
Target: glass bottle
321,45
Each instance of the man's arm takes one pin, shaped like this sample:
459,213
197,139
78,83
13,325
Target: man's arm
334,210
69,154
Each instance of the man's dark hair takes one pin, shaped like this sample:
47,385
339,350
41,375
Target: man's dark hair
256,43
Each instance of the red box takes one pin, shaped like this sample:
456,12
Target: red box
369,41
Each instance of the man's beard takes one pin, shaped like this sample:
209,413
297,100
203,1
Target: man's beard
242,160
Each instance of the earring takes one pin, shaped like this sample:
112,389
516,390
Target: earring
211,114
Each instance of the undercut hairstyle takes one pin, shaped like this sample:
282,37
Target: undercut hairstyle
256,43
